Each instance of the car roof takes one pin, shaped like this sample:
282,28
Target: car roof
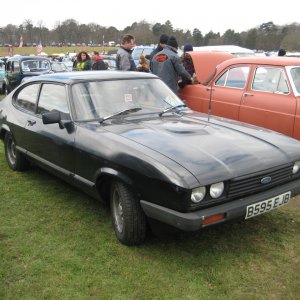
23,57
71,77
267,60
205,63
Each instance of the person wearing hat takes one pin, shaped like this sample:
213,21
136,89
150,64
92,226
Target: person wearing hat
281,52
187,60
167,65
163,39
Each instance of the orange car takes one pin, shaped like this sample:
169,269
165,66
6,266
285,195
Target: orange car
263,91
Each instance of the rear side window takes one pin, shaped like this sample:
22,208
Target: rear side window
15,67
53,97
27,97
234,78
272,80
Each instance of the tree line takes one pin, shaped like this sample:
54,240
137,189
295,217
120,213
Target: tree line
268,36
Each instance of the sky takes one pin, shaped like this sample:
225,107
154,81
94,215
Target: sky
217,16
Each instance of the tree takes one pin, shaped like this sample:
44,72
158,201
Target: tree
197,37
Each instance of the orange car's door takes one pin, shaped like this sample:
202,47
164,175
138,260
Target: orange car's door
227,91
268,101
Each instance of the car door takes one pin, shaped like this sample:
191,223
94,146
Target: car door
268,101
51,145
227,91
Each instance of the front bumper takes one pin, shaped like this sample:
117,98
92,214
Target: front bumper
193,221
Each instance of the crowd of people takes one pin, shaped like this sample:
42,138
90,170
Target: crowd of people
164,61
85,62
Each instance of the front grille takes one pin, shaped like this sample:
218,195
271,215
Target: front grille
251,184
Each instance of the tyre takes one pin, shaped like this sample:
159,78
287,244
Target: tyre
16,160
129,220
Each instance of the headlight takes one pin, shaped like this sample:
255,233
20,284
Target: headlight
198,194
296,167
216,189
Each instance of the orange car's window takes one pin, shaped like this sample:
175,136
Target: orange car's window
234,78
295,72
272,80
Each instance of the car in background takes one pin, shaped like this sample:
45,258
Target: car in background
125,138
57,67
264,91
110,62
19,68
2,76
232,49
141,50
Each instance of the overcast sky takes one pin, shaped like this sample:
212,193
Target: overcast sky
217,16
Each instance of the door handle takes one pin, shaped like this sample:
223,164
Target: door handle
210,89
247,95
30,122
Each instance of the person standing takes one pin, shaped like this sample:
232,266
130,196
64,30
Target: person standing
84,62
187,60
281,52
98,63
163,39
124,60
167,65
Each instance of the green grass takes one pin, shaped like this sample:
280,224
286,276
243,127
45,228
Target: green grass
57,243
52,50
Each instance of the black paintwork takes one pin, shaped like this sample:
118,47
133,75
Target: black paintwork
161,157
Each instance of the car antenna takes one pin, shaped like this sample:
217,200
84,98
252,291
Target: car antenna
210,89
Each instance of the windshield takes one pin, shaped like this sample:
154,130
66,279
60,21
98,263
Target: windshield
295,73
35,65
97,100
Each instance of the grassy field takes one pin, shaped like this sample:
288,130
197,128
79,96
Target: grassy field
51,50
57,243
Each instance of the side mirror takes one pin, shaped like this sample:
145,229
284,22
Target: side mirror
55,116
51,117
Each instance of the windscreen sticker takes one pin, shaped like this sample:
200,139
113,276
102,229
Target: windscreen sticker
128,97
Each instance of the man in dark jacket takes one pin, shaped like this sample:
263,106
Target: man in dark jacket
98,63
167,65
163,39
124,60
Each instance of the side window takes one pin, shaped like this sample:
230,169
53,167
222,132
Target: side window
8,66
16,67
53,97
271,80
26,98
234,78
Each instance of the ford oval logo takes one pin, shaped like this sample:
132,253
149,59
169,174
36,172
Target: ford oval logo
266,180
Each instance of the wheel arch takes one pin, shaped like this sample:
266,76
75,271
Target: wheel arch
105,177
4,129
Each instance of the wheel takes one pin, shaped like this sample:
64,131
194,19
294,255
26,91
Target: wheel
16,160
129,220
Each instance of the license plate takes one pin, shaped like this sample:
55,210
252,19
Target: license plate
262,207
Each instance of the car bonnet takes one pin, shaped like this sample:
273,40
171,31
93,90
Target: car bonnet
205,63
211,151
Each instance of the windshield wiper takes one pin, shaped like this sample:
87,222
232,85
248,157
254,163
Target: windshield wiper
122,112
171,108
